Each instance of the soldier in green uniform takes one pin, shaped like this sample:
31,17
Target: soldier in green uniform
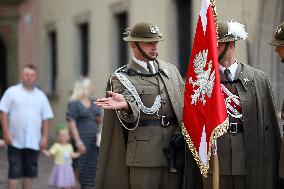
278,41
141,145
249,151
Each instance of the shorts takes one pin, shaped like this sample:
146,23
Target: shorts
22,162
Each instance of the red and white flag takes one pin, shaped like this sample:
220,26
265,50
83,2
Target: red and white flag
204,113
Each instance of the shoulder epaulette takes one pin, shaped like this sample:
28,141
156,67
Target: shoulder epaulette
132,72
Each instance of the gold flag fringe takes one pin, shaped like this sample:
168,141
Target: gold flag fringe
217,132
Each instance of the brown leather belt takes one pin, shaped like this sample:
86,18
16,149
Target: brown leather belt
163,122
235,128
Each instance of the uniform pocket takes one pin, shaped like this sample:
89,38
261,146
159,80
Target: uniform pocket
145,90
268,132
147,94
138,145
139,134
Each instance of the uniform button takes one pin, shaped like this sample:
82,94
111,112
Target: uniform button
164,102
162,91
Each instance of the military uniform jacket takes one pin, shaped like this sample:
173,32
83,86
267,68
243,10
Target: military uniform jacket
119,148
281,163
260,142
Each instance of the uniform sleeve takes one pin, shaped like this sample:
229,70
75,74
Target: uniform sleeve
47,111
181,90
273,118
5,103
53,149
117,87
72,111
180,81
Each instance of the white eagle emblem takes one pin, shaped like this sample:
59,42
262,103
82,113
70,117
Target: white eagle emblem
205,79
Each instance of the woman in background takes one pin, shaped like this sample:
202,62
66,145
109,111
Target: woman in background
84,118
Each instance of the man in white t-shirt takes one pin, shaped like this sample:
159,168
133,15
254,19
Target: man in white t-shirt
25,111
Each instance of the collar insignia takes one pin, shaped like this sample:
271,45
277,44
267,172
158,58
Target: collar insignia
279,30
154,29
246,80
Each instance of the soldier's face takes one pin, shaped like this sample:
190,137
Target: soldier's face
221,47
150,48
229,53
280,51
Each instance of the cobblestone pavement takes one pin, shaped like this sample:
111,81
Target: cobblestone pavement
45,167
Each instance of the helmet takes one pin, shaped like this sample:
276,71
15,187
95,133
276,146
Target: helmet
231,31
143,32
278,38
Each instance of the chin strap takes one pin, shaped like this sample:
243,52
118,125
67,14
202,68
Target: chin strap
224,52
143,53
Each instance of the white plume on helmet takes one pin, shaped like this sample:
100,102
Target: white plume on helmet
237,30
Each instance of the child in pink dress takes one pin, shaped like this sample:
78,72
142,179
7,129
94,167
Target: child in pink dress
62,175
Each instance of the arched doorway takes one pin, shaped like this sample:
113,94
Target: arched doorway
3,68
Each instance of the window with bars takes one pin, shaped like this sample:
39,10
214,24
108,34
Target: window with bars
122,22
84,44
184,34
3,68
52,38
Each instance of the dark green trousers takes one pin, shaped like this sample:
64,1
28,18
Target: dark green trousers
226,182
154,178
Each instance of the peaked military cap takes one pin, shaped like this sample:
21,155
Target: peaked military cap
143,32
231,31
278,38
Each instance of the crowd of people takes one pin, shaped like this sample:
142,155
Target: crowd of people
25,115
142,122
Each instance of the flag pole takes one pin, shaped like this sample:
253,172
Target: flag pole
213,5
215,166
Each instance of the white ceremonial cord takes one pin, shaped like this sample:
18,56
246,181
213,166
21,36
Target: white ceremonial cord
117,113
234,98
128,85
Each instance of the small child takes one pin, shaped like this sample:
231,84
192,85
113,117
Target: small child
62,175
